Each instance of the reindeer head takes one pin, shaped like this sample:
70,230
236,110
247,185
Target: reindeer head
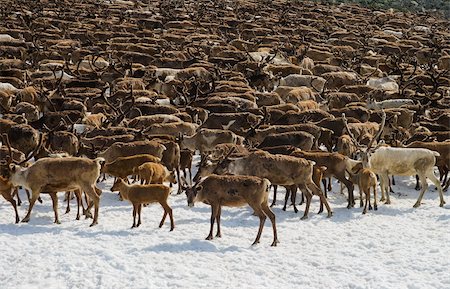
220,166
191,190
364,151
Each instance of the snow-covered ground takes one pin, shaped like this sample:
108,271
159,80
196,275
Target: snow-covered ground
394,247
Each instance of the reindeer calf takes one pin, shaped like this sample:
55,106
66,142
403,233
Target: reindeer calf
145,194
154,173
365,179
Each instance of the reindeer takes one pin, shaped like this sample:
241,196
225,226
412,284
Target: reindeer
386,161
218,191
58,174
278,169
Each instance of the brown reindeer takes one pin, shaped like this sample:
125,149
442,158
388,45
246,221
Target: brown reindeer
218,191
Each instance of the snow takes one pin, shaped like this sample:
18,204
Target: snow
395,247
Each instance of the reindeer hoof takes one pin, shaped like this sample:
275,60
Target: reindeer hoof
171,229
274,244
416,205
388,202
209,238
93,224
441,204
57,222
304,218
256,242
330,214
26,220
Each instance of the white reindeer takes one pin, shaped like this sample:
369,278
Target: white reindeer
386,161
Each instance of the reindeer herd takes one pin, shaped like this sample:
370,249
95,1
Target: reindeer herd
268,93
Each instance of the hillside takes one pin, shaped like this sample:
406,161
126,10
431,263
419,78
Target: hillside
431,6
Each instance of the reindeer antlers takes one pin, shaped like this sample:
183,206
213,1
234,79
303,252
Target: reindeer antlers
376,137
355,141
380,130
31,155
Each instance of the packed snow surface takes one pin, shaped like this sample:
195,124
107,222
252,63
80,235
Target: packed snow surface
395,247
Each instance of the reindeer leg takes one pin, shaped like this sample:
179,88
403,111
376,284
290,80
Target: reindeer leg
423,181
219,212
172,223
16,192
351,200
286,197
320,207
79,203
28,196
33,200
134,215
262,219
323,200
55,206
294,197
417,183
95,199
436,182
361,202
178,173
447,185
274,195
167,210
308,196
68,202
271,216
9,197
383,188
367,193
214,211
375,206
325,188
139,209
445,176
387,188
